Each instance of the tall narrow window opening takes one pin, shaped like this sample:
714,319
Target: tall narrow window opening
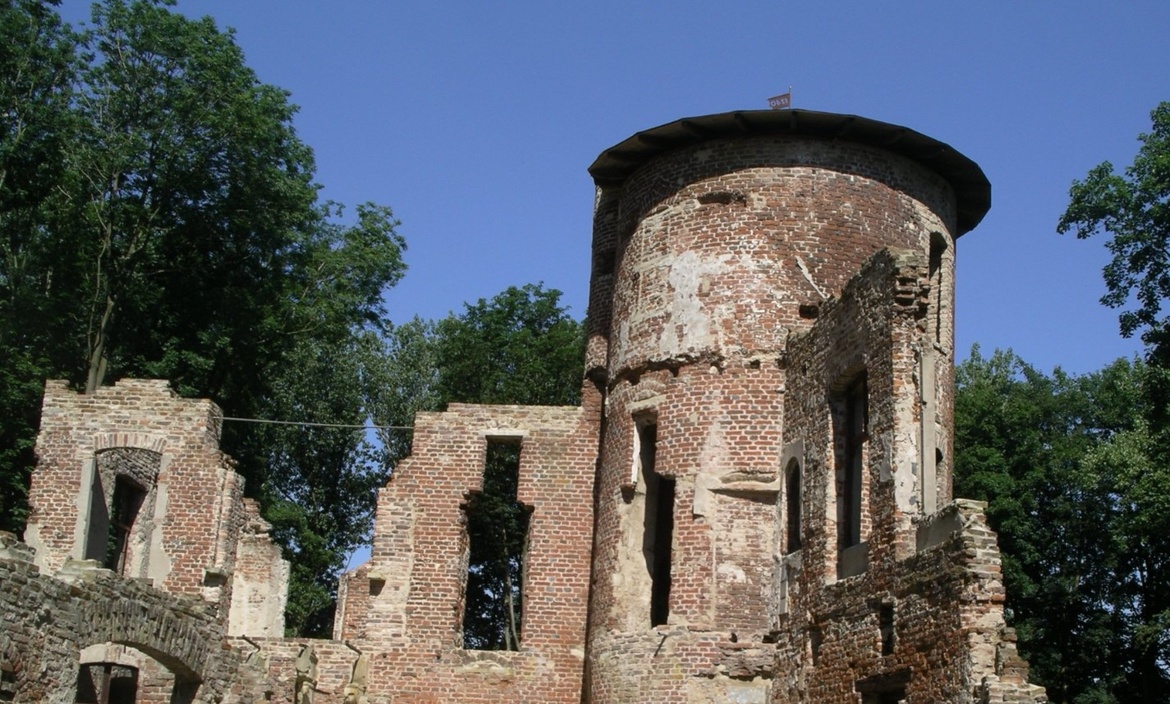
127,501
792,506
497,530
658,530
886,628
856,421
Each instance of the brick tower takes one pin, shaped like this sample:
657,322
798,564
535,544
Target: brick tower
771,322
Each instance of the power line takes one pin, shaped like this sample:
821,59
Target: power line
321,425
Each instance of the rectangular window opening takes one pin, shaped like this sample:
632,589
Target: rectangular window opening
107,683
127,501
658,530
893,696
497,531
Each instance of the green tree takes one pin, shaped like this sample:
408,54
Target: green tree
166,224
320,480
1134,487
1083,555
1134,209
520,347
404,384
37,63
186,180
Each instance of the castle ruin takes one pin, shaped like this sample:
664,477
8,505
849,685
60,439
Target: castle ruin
752,503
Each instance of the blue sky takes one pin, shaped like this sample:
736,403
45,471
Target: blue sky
476,122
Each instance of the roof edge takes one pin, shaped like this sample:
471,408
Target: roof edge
972,189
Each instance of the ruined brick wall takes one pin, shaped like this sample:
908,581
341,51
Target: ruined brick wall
193,512
880,618
138,538
54,624
707,257
752,503
405,606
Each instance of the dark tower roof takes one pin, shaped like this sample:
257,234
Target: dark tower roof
972,189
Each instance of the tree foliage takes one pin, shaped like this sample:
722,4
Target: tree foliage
519,347
1066,466
37,63
1132,471
160,219
1134,209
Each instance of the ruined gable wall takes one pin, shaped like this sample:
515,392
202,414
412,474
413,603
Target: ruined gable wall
405,606
194,481
259,580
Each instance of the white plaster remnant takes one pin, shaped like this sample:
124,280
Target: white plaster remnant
688,272
808,277
731,572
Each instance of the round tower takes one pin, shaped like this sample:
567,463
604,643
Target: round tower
717,241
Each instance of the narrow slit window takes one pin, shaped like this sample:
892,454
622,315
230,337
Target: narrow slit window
886,628
792,506
497,530
938,247
658,529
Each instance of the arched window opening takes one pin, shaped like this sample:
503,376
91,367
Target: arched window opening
121,509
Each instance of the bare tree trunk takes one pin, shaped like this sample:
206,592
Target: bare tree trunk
511,633
98,360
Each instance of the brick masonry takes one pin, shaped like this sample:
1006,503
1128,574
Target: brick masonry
746,271
751,271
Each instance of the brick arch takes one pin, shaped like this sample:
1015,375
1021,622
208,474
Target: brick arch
142,441
145,475
157,630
